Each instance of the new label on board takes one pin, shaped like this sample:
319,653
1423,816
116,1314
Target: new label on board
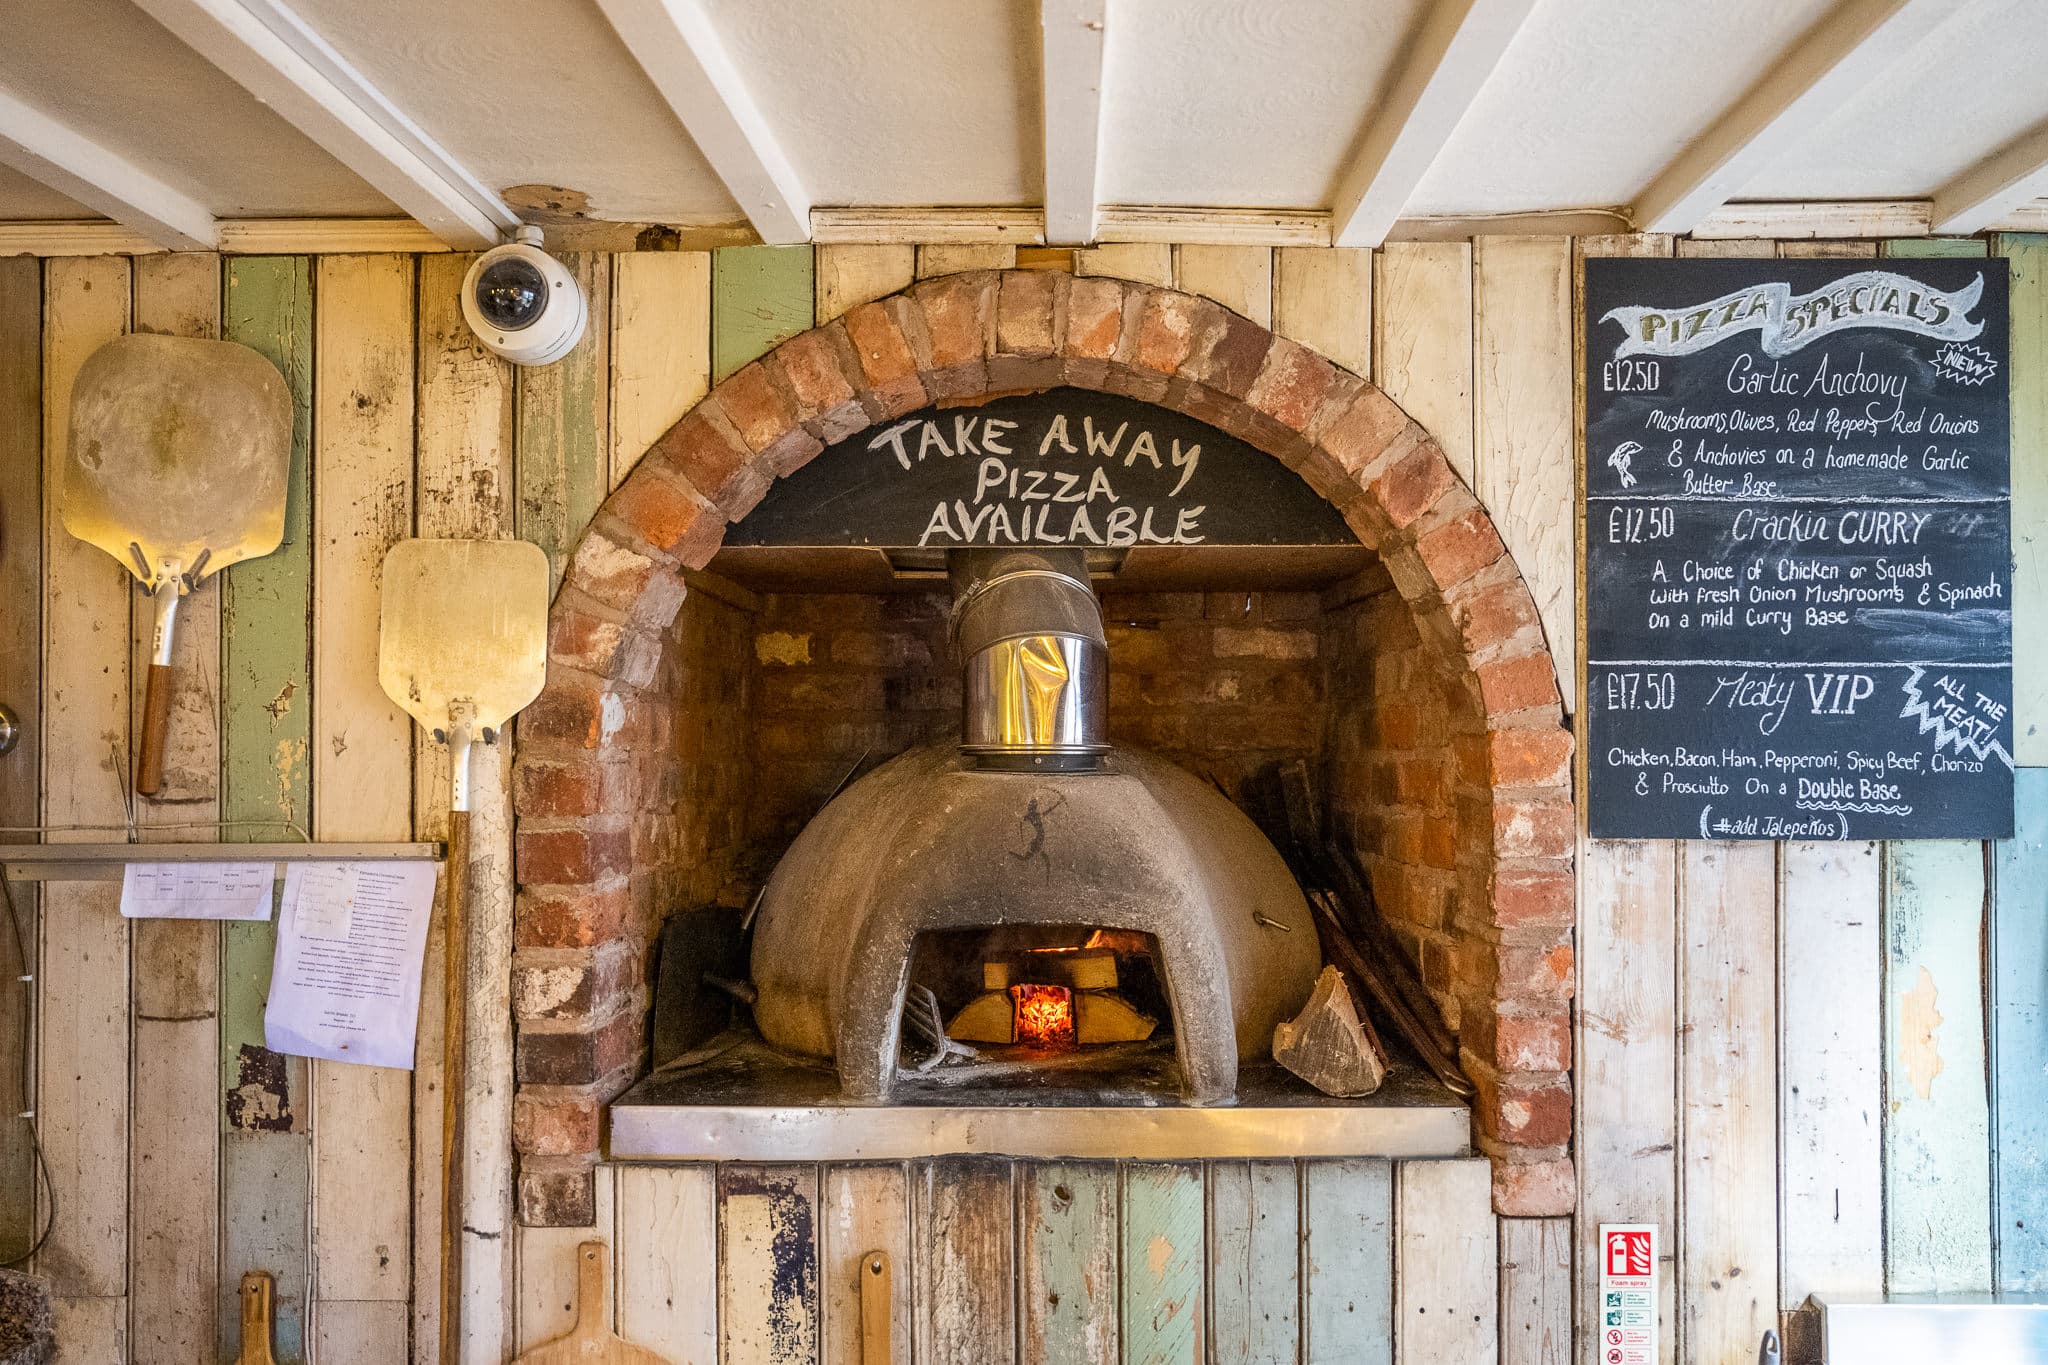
1062,467
1798,550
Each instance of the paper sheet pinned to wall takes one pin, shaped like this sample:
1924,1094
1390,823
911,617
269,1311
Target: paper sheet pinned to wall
345,982
239,891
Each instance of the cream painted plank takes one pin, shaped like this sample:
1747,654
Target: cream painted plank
768,1299
1145,262
1728,1098
667,1262
2027,257
1625,1083
865,1208
358,1332
1937,1134
1447,1267
91,1332
547,1267
1238,277
1535,1291
1826,250
82,1037
1522,422
462,462
954,257
1422,340
1830,1071
851,275
362,744
1725,247
174,1166
661,347
1322,298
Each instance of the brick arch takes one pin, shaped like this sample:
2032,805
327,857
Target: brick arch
591,748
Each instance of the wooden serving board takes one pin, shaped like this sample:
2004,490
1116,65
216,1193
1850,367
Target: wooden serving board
591,1341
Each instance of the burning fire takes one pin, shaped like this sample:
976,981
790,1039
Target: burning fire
1045,1014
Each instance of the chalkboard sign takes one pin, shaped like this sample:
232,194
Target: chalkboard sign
1798,549
1063,467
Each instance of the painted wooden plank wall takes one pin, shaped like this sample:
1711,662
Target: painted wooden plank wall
1807,960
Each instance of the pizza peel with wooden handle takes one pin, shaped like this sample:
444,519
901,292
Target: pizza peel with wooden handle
591,1341
179,456
462,648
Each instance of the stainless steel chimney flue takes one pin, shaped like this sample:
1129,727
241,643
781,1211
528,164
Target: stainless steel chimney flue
1036,663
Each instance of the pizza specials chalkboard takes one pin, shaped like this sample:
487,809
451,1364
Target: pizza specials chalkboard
1798,550
1062,467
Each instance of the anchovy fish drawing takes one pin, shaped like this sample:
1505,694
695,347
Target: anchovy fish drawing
1619,461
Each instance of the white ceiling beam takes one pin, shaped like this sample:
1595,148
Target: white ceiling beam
274,55
44,149
681,51
1071,66
1987,192
1448,59
1832,61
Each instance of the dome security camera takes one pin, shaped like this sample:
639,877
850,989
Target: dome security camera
522,303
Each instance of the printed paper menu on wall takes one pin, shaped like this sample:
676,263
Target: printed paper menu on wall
1798,550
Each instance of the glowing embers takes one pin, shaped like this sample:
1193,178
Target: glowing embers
1044,1014
1051,997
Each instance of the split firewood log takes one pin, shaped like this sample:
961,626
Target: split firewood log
1328,1045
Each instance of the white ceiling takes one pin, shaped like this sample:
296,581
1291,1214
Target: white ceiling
916,103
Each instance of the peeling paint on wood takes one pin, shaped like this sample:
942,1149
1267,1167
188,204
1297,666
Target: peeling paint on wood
963,1223
1068,1243
768,1279
563,422
2019,1021
1348,1279
761,296
1257,1254
1163,1259
1937,1135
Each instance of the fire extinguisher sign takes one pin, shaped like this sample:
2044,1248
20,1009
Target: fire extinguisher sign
1628,1294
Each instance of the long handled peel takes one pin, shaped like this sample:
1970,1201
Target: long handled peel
462,648
179,455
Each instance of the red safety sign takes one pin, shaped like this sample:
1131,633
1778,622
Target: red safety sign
1628,1293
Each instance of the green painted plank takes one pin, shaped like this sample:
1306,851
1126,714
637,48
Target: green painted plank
761,296
2019,1040
1935,248
266,727
1163,1261
2028,255
1937,1140
1349,1296
1254,1288
562,429
1067,1216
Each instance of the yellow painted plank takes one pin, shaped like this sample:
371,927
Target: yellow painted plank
661,347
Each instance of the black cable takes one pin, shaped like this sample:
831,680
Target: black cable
27,1111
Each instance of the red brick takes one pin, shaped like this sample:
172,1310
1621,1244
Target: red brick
571,857
1516,684
1226,360
1531,829
1522,899
1530,758
1364,432
582,641
1166,323
611,572
672,516
888,366
1523,1114
810,363
956,320
579,1056
1455,552
1532,1043
543,790
563,1124
557,1197
1534,977
1534,1189
572,985
570,709
1412,487
1094,318
1024,312
1493,616
1291,386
